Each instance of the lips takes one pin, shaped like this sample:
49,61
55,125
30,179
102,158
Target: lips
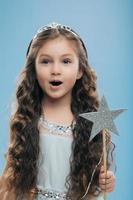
55,82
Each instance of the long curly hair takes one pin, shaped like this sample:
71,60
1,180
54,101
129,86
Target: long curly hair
23,152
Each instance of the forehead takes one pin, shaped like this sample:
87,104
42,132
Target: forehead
59,45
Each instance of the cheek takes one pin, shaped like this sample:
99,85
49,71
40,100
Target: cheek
41,74
41,77
71,84
71,80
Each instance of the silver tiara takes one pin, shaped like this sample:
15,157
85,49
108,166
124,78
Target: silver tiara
55,26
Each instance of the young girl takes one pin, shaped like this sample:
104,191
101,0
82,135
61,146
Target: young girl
50,156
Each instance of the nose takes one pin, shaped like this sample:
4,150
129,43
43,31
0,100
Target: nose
56,69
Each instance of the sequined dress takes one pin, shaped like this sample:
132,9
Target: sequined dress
53,166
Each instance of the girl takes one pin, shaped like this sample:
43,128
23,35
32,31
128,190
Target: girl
49,156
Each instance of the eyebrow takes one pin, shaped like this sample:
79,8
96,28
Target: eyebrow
63,55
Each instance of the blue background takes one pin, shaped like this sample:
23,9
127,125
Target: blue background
106,28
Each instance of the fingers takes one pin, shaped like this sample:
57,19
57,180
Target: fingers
107,188
106,181
109,176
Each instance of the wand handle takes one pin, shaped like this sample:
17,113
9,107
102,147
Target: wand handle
105,159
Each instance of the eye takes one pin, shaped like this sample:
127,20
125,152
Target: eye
66,61
45,61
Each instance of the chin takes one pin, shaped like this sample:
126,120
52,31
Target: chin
54,96
57,96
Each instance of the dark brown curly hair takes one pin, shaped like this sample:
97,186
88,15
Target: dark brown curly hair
23,151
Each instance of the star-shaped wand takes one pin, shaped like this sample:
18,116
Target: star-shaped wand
103,120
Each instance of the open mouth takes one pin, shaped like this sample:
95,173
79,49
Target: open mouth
55,83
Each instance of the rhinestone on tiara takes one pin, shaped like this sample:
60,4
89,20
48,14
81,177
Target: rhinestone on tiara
55,25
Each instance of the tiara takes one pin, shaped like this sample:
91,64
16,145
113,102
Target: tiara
55,25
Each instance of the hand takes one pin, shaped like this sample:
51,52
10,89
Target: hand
110,180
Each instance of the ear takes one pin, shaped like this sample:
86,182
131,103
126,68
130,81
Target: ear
80,73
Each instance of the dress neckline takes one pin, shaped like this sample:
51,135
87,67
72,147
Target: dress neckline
54,127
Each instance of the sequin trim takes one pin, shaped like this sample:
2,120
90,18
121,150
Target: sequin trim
46,194
54,128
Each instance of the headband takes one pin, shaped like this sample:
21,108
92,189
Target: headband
56,26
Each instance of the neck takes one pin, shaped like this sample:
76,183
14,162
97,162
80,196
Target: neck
58,110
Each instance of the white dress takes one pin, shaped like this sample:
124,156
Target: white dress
53,167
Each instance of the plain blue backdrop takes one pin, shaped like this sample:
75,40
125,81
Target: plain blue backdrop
106,28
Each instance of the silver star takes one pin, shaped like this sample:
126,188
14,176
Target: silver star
102,119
